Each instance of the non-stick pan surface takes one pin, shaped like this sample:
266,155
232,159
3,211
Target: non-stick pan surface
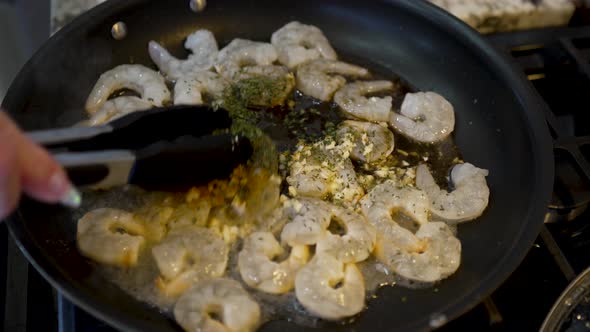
499,127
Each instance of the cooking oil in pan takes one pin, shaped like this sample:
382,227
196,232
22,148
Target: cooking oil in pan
301,119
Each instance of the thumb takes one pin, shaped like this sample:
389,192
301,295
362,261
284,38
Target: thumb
41,177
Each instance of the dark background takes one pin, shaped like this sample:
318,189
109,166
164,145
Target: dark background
24,26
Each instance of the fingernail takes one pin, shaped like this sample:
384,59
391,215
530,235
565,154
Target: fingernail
72,198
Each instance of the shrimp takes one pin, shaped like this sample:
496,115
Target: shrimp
224,298
321,78
148,83
270,71
243,53
384,200
297,43
467,201
355,105
324,169
309,220
204,51
187,255
116,108
315,288
110,236
431,254
371,141
357,242
189,89
284,212
258,270
440,258
425,117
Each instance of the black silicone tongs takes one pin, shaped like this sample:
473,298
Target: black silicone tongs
170,148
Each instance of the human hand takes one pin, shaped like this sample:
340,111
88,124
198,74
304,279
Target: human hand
27,167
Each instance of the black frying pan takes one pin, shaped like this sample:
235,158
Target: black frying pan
499,127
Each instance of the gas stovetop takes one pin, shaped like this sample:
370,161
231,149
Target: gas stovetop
557,63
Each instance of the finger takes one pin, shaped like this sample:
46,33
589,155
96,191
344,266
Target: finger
9,174
41,177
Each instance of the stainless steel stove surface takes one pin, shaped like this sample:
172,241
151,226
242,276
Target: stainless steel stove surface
557,62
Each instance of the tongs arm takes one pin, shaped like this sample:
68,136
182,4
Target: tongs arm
165,148
137,130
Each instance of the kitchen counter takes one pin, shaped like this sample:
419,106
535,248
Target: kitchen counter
63,11
484,15
489,16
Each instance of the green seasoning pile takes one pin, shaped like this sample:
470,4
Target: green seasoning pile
256,92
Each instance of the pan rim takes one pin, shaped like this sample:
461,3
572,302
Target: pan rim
538,133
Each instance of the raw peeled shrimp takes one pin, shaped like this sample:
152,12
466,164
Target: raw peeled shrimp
187,255
371,141
431,254
440,258
110,236
258,270
315,288
116,108
309,220
357,242
425,117
351,98
243,53
204,51
189,89
224,298
321,78
283,213
148,83
324,169
309,224
297,43
466,201
384,200
270,71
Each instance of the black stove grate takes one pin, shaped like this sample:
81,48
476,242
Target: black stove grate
557,63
